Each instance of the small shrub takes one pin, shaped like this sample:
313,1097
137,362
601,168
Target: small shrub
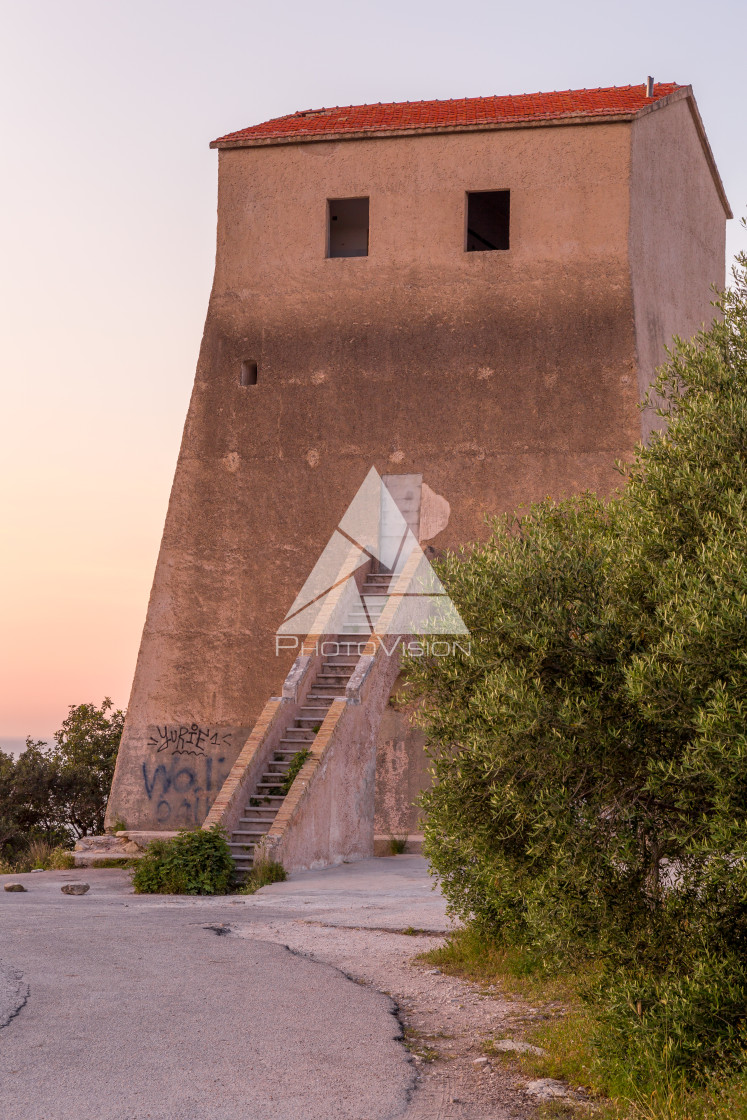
265,872
295,766
397,845
196,862
118,825
60,860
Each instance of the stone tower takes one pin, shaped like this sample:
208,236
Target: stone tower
474,293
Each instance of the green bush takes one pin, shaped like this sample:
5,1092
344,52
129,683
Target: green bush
196,862
590,756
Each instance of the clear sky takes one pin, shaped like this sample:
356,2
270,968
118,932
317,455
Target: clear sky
107,229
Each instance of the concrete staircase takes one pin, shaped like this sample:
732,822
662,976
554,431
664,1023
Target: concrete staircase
330,682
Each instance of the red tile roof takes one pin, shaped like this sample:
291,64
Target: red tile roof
468,112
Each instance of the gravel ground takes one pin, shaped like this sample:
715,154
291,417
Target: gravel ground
445,1019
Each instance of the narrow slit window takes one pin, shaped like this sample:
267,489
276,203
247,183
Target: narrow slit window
347,227
488,220
248,374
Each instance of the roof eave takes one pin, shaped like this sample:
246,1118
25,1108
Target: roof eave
426,130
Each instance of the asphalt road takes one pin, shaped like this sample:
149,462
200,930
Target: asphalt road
136,1010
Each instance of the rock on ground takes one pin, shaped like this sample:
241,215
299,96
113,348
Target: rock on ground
75,888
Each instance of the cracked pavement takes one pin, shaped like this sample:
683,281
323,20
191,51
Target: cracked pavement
284,1005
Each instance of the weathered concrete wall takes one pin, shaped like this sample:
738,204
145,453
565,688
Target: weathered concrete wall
677,236
500,377
401,776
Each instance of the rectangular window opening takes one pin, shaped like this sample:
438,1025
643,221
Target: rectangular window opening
488,219
347,227
248,374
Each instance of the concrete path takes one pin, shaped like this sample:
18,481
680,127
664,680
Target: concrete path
140,1010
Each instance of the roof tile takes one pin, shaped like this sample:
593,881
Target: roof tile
309,124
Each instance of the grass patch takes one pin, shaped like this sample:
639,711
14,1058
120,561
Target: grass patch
417,1044
468,953
266,872
397,845
113,861
40,854
567,1031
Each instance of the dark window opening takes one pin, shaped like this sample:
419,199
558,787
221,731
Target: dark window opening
248,375
488,214
347,227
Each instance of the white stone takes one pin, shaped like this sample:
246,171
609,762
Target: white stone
509,1045
546,1089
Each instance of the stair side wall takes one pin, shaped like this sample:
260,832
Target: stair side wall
330,816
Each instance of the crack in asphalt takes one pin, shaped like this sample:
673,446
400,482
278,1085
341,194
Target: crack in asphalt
14,993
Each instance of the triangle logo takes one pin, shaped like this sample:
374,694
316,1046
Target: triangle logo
372,535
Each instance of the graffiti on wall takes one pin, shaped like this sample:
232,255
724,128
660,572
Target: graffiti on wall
191,764
182,738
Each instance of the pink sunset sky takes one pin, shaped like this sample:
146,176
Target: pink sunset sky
107,241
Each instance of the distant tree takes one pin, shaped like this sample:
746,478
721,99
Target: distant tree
29,801
59,793
8,827
85,755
